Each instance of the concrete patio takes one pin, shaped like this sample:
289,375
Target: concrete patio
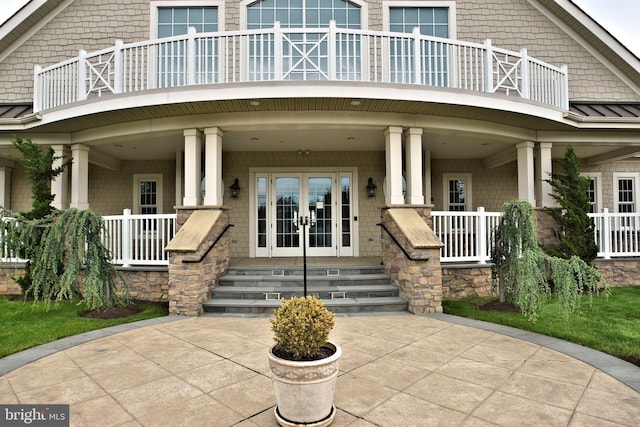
397,370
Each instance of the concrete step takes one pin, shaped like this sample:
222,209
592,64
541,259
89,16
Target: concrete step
340,305
298,280
320,291
311,271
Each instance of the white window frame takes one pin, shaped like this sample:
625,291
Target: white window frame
468,204
364,13
596,177
450,4
635,176
156,4
137,179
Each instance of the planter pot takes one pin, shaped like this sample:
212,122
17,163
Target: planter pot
304,390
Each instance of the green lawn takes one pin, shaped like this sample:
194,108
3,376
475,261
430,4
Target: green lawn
611,325
27,324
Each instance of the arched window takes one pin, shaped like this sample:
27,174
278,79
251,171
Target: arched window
303,14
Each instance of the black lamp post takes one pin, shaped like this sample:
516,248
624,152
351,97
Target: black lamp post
304,221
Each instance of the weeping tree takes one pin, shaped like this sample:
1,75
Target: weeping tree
521,270
57,244
575,229
75,236
38,167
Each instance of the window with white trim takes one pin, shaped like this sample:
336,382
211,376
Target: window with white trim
457,192
625,192
147,194
431,18
594,191
172,18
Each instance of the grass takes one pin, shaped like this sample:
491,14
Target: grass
610,325
26,324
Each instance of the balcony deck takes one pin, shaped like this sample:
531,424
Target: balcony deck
300,54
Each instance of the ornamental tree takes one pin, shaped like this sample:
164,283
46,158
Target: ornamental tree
575,230
521,270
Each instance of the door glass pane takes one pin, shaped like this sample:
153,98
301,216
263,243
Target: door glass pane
320,207
345,189
262,212
287,203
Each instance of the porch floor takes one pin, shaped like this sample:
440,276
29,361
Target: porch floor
311,262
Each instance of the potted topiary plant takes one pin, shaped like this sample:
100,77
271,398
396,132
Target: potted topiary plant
304,363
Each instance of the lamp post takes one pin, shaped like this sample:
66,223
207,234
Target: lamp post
304,221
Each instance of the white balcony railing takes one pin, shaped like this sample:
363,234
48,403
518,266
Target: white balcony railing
276,54
139,239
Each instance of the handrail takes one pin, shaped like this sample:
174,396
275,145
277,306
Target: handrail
277,54
409,256
194,261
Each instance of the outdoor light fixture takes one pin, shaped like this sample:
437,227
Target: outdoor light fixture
372,189
235,189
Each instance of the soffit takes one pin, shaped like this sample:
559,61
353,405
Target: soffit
336,105
26,24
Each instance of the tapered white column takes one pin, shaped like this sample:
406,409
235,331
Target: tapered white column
5,187
393,154
543,174
413,143
213,166
526,188
192,167
427,178
80,177
179,178
60,183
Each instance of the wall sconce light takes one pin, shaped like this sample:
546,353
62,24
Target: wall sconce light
235,189
372,189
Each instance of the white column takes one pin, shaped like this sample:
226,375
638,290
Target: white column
543,173
179,178
213,166
5,187
525,172
393,154
192,165
427,177
60,183
80,177
413,143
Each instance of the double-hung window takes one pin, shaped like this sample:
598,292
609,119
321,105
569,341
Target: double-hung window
431,18
147,193
594,192
626,196
172,63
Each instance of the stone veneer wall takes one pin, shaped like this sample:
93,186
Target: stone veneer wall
420,282
190,283
145,284
619,272
464,281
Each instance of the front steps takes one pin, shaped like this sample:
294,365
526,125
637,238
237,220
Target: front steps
343,289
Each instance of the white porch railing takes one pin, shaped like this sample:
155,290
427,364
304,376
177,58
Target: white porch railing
467,236
617,234
275,54
139,239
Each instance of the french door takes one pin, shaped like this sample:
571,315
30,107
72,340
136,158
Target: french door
313,209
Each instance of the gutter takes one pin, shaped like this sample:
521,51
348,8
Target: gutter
613,120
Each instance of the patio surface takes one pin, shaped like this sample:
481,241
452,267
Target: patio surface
396,370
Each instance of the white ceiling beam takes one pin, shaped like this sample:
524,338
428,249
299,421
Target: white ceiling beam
104,160
612,156
501,158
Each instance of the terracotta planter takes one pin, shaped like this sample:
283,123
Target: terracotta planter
304,390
